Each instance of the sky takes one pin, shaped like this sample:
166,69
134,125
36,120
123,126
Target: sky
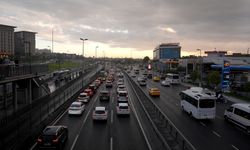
132,28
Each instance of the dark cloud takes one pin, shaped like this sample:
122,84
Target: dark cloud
138,23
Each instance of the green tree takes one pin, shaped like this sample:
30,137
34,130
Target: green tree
213,78
247,87
146,59
194,75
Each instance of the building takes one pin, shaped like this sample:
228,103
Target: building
6,40
25,43
166,56
167,51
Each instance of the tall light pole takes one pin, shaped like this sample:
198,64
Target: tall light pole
83,50
96,51
200,84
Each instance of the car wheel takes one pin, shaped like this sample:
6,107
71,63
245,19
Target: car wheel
190,114
182,108
225,117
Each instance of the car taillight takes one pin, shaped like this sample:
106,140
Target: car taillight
39,139
55,139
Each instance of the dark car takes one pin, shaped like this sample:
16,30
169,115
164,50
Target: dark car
109,84
104,95
53,137
150,76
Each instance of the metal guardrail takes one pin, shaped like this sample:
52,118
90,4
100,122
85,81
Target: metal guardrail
34,117
170,136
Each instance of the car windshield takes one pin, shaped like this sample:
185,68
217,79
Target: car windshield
175,77
207,103
123,107
99,112
75,105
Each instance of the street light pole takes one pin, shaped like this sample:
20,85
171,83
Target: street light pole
201,64
83,47
96,51
29,54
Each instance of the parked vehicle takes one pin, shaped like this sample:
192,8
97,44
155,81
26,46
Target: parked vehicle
239,114
173,78
53,137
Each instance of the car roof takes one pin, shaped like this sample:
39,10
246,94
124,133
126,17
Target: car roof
83,93
121,86
50,130
154,89
123,104
77,103
99,108
243,106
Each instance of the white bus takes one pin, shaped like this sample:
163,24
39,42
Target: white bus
172,78
198,105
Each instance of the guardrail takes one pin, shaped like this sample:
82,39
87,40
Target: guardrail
170,136
29,122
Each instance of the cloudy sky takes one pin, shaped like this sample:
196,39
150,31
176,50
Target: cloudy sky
121,28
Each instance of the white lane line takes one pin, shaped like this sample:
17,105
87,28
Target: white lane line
84,121
203,124
235,147
73,145
34,145
217,134
139,122
111,143
112,116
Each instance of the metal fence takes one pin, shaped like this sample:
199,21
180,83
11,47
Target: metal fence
28,122
170,136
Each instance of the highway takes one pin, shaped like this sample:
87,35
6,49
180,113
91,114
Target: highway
118,133
203,134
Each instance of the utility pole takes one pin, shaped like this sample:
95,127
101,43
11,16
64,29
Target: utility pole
201,64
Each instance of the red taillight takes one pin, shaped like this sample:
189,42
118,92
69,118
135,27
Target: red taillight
55,139
39,140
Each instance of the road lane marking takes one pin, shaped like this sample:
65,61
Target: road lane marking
235,147
111,143
84,121
139,122
217,134
73,145
112,116
203,124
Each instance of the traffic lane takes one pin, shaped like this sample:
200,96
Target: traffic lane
221,129
189,127
94,135
126,131
152,138
75,122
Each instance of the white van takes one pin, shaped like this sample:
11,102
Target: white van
239,114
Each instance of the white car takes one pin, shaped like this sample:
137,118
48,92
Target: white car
165,83
83,97
76,108
100,113
142,83
239,114
122,109
121,88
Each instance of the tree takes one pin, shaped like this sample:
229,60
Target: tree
146,59
194,75
213,78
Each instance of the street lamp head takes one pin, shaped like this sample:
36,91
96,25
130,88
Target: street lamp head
83,39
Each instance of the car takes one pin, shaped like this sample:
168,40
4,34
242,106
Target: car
142,83
100,113
97,82
149,76
133,75
239,114
93,87
140,78
53,137
121,88
109,84
165,83
122,109
145,73
120,75
76,108
104,95
156,78
154,92
122,96
120,82
89,92
83,97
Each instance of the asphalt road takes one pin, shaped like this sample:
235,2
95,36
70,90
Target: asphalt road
203,134
118,133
